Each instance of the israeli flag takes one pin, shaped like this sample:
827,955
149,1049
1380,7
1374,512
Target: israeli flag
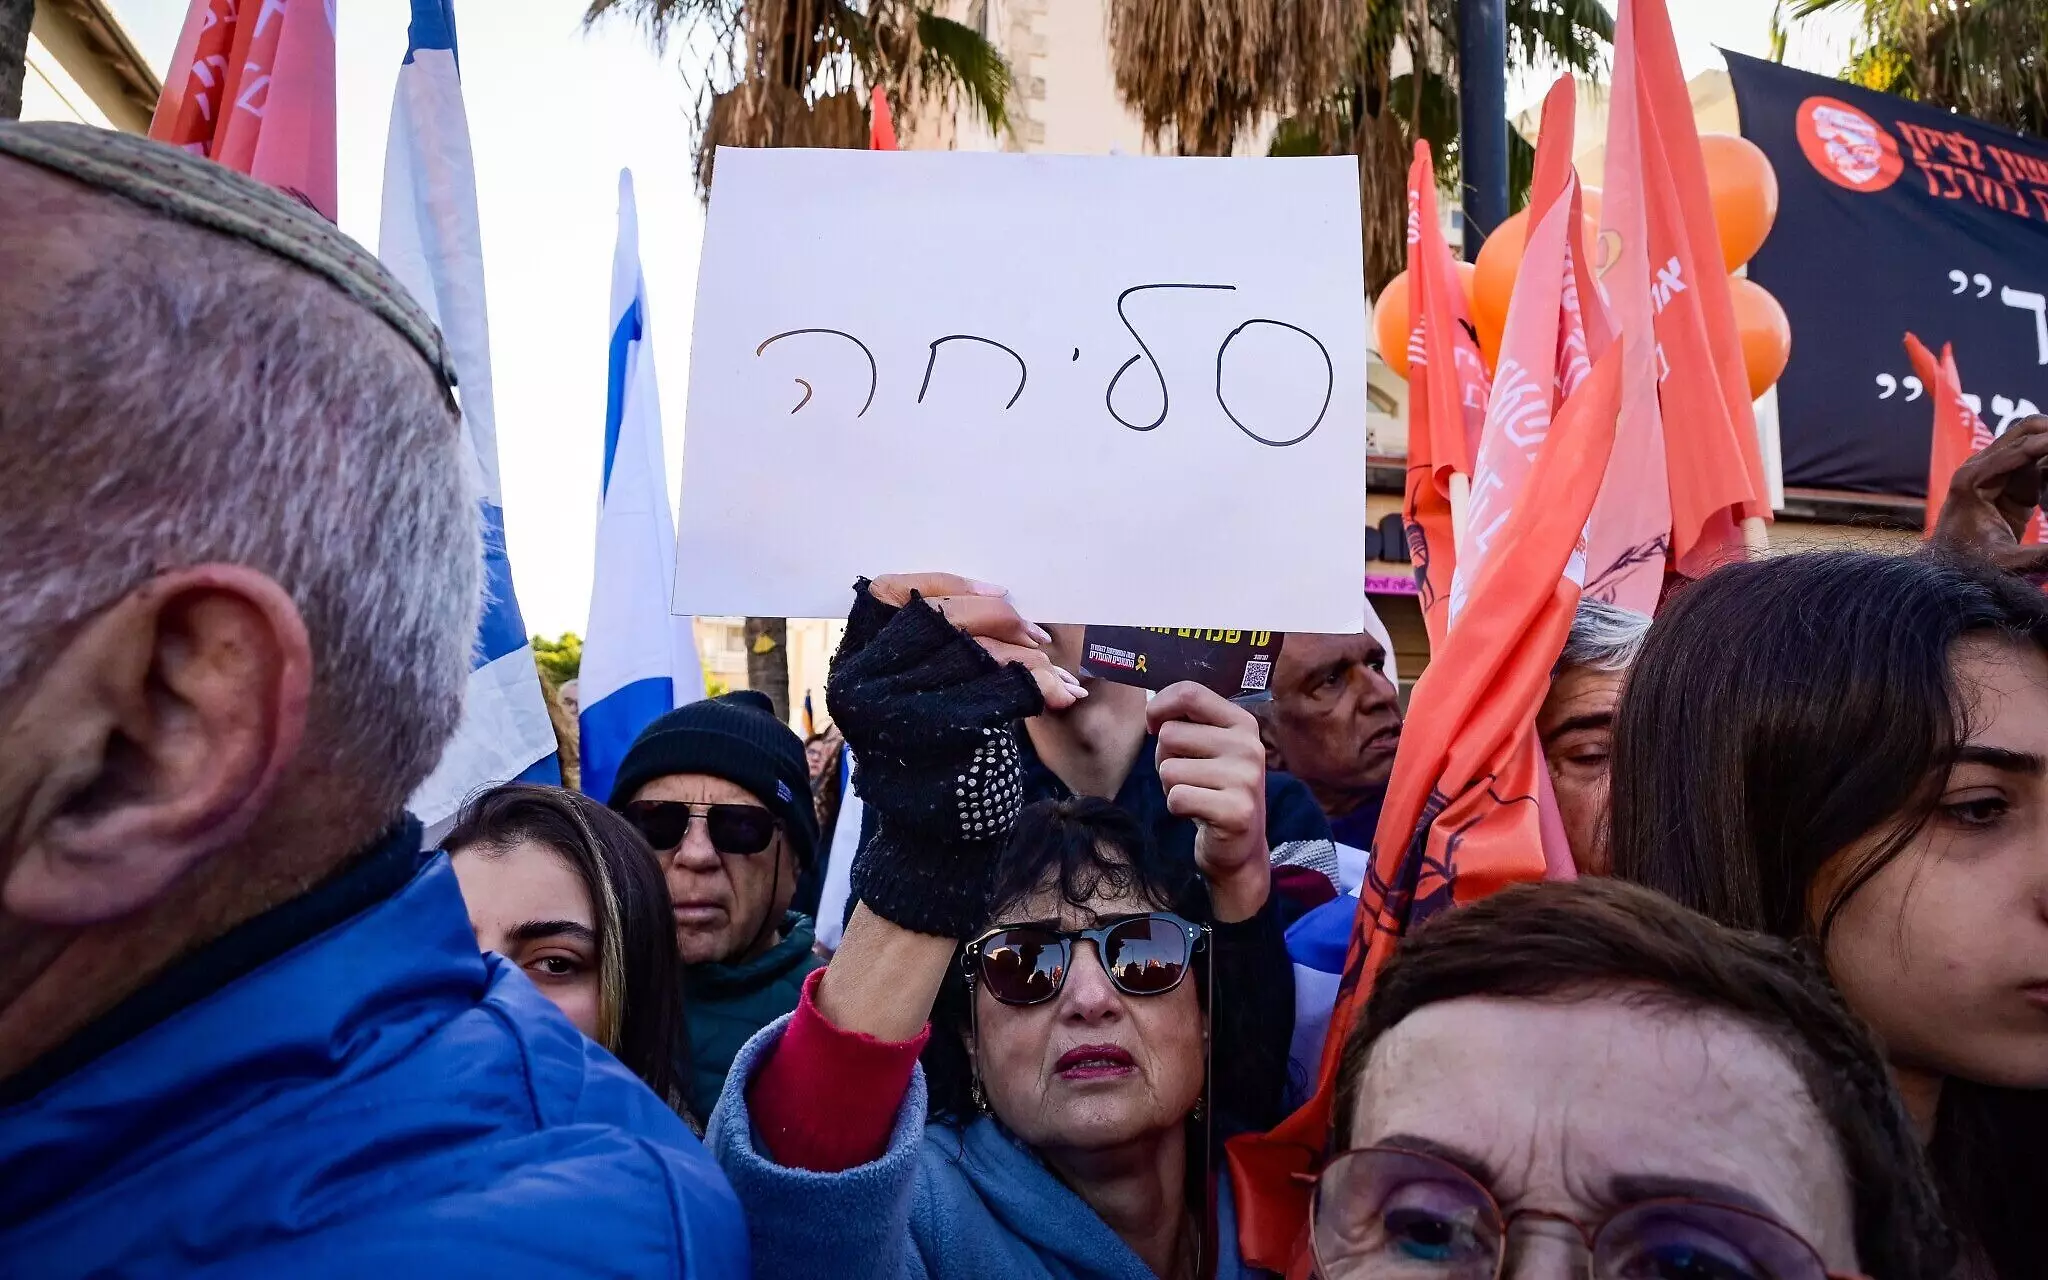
639,660
430,240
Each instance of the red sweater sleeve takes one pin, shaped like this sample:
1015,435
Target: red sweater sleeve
826,1099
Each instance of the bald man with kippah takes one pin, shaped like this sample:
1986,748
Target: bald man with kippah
244,1026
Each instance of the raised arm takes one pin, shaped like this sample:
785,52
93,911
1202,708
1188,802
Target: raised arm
821,1120
928,720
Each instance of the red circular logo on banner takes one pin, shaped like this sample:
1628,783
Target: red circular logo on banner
1848,147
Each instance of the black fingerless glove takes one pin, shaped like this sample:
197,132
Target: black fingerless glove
929,717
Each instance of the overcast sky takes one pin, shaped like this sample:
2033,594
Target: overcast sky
554,113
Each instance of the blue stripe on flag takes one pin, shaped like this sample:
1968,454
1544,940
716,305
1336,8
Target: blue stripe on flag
433,27
608,727
623,337
546,770
500,630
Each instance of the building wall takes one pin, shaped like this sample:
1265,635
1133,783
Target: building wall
82,67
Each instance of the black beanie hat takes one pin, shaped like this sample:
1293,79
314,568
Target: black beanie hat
736,737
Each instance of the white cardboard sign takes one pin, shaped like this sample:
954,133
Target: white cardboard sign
1131,390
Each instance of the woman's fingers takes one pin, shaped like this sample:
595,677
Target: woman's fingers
989,618
895,588
1056,685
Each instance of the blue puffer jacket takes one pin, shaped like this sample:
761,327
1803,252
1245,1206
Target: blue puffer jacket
371,1098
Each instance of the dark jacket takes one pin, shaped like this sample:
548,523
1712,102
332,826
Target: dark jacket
343,1086
725,1004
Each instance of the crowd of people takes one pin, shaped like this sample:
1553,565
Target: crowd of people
1789,1022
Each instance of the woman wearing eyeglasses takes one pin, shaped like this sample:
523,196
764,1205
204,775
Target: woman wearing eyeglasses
1058,975
1587,1080
562,887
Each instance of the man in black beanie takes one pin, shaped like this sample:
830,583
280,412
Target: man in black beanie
721,789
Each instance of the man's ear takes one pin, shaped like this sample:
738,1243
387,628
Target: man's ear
155,739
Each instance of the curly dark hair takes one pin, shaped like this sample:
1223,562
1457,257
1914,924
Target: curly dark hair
1087,846
1560,941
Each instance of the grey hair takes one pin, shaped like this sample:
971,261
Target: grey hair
1604,637
179,398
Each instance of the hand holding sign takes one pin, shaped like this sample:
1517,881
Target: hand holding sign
1213,767
984,612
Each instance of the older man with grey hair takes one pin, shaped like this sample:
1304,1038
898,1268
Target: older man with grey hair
1576,721
244,1026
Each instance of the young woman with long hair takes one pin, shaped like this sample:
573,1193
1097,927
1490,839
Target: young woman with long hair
1851,750
569,891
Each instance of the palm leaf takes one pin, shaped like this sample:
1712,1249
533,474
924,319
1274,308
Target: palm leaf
954,58
1984,58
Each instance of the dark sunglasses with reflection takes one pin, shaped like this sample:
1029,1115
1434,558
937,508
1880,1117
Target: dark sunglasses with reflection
733,828
1144,955
1387,1213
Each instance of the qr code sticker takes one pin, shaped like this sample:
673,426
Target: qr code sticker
1256,674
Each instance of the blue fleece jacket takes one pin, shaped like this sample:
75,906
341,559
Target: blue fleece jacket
941,1203
372,1098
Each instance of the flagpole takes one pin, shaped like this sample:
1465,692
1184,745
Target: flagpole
1482,118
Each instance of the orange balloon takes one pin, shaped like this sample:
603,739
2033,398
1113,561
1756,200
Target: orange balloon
1493,281
1744,190
1390,324
1590,197
1765,332
1393,317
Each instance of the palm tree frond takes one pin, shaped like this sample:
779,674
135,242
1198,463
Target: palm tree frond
661,19
1203,73
1573,34
1984,58
955,57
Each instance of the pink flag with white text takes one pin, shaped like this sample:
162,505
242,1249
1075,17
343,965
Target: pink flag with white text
1629,538
1447,390
252,87
1713,463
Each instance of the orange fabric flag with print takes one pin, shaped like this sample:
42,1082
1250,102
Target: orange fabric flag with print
251,86
1447,390
1462,812
1714,465
1959,432
881,123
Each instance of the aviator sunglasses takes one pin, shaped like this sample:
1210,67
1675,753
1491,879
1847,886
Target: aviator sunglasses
1144,955
1387,1213
733,828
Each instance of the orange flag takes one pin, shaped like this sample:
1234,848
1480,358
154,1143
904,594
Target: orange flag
1462,811
1713,463
1629,541
252,86
1447,390
1959,433
881,124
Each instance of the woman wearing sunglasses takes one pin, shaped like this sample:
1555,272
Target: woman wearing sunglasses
1587,1080
562,887
1053,967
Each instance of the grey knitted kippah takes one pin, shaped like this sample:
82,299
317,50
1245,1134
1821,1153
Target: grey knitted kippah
194,190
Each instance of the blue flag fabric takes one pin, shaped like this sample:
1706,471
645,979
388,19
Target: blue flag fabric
431,241
638,660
